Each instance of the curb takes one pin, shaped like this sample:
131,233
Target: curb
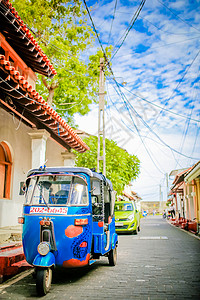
183,230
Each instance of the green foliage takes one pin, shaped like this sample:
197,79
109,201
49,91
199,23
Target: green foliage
63,34
121,167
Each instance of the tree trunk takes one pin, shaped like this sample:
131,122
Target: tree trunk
51,89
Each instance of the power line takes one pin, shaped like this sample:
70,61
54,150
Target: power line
160,29
97,35
187,69
148,152
112,21
178,16
187,123
150,139
133,20
152,103
151,130
37,35
174,43
123,94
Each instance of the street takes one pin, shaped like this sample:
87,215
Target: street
161,262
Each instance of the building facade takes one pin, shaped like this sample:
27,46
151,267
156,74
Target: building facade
185,194
31,132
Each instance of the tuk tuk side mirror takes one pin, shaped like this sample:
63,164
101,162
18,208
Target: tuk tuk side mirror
22,189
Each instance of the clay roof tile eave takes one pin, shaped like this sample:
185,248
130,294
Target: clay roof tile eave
34,98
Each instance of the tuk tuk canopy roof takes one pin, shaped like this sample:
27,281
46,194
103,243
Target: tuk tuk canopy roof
56,170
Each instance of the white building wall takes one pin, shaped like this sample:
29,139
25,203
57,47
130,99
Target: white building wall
24,151
15,134
53,154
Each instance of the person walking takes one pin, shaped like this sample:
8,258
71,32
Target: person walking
172,210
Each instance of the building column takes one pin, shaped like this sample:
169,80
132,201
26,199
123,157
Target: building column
197,194
38,147
68,159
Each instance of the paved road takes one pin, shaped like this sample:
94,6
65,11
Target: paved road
161,262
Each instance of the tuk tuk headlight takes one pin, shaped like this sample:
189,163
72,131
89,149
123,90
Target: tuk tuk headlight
43,248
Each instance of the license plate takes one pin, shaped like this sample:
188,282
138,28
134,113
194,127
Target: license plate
119,224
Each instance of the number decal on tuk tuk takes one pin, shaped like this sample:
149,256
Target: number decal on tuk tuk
50,210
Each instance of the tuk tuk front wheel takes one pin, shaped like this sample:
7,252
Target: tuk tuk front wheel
43,281
112,256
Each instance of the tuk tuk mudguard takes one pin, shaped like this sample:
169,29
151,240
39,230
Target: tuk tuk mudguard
44,261
114,240
99,238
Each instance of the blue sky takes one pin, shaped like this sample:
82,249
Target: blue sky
156,114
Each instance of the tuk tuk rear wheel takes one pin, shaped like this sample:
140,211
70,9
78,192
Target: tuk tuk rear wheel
43,281
112,256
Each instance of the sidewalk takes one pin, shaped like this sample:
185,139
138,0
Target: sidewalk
12,259
176,223
10,234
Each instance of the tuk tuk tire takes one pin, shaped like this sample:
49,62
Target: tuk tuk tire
43,280
112,256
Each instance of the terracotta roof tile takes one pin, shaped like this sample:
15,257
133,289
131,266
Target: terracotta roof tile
35,103
18,27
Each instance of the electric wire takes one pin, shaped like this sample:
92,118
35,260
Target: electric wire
159,144
24,96
150,139
147,126
97,35
160,29
163,46
152,103
185,131
174,90
178,16
151,130
112,21
148,152
130,129
133,20
108,64
30,29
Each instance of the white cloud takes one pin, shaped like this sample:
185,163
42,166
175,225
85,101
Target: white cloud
153,62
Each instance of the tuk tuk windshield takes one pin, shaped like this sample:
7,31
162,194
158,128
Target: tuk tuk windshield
57,190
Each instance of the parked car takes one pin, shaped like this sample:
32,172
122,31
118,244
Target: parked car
127,217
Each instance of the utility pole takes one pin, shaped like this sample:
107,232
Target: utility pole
101,121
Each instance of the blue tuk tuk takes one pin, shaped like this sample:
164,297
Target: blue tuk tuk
68,220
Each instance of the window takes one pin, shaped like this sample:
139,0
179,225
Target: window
5,170
56,189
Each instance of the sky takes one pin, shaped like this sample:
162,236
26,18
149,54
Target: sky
153,111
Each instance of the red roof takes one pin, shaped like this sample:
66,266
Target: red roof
31,106
178,176
192,168
127,195
22,41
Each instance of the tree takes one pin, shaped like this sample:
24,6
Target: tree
121,167
61,30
